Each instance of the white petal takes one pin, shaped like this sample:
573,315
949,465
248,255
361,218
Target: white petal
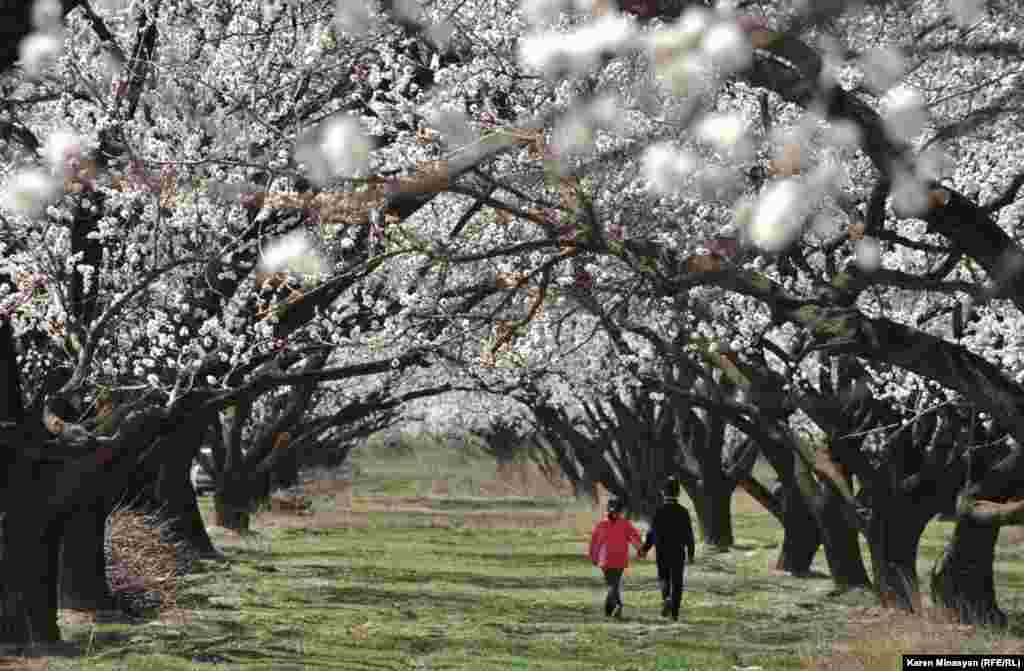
868,254
38,51
779,217
29,192
883,68
728,48
966,12
905,115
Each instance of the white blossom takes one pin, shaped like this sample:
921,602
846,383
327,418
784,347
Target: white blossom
353,16
883,68
38,51
61,146
346,146
664,167
542,11
905,114
29,192
46,14
728,48
779,216
555,53
868,254
725,132
294,252
966,12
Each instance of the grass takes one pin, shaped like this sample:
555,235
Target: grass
465,581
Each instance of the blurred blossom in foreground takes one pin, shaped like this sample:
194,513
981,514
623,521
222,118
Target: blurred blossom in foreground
883,68
909,195
724,132
868,254
39,51
728,48
674,52
339,149
778,217
295,252
542,11
353,16
555,54
62,150
966,12
29,192
843,134
664,167
575,132
46,14
905,114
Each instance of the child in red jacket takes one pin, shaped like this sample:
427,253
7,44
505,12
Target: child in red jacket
609,549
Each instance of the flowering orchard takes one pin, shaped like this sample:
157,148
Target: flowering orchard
793,220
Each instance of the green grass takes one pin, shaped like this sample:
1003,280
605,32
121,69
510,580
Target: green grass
402,594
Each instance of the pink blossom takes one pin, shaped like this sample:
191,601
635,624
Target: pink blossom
584,280
724,247
749,24
249,199
644,8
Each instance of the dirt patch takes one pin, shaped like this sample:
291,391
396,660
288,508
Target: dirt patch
743,503
23,664
526,479
1012,536
877,638
579,522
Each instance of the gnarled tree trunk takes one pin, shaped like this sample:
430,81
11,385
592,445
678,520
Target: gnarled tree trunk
962,579
894,535
714,513
842,543
83,581
801,534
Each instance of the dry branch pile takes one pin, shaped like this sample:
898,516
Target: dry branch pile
143,561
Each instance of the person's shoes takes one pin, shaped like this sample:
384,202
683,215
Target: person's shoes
665,610
608,610
675,617
617,613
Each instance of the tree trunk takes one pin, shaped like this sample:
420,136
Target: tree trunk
233,502
30,563
165,489
230,516
714,514
83,581
962,579
842,544
894,534
801,534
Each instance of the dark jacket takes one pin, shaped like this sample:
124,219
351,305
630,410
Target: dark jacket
671,532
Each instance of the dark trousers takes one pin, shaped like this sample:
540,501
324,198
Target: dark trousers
613,578
670,576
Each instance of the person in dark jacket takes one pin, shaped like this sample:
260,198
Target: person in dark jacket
671,534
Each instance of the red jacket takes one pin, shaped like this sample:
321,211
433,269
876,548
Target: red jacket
609,544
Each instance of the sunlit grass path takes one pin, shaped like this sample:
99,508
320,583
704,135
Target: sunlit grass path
460,582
